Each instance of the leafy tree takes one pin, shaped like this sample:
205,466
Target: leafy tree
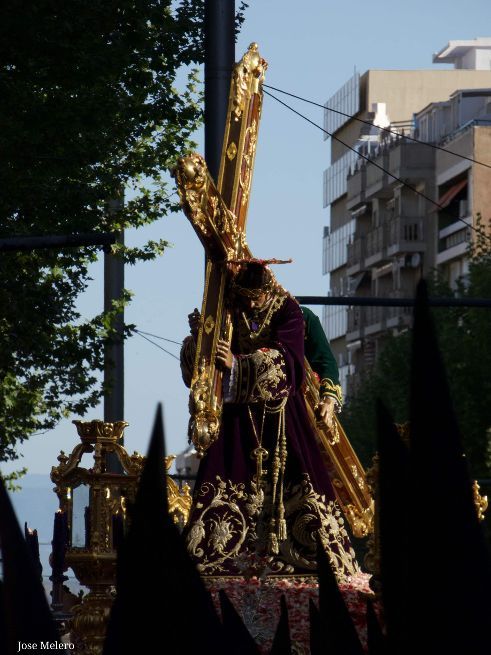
89,108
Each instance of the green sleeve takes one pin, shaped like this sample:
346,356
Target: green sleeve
320,357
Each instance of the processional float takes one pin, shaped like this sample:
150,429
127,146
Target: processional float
218,215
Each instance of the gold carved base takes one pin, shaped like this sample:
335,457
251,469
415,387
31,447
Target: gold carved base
89,623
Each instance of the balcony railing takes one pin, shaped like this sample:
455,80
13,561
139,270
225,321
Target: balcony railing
369,320
375,241
356,251
400,312
455,239
405,233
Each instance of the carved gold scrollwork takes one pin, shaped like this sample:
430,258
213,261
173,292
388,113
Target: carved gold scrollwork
481,502
248,157
206,418
224,221
372,557
202,202
361,522
100,431
231,151
179,499
192,184
247,75
347,474
358,477
333,433
209,324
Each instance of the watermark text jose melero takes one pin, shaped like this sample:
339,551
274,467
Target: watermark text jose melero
43,645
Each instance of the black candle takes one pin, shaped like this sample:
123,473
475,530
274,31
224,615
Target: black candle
118,531
59,542
33,546
87,527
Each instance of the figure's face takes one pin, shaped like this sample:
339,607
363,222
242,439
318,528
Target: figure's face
249,304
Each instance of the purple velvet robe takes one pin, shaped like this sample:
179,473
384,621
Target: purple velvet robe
237,522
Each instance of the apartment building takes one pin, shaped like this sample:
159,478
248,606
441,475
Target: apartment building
379,240
461,125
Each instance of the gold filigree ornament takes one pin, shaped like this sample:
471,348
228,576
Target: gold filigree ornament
179,498
247,75
231,151
361,523
246,171
206,423
209,324
481,502
331,430
192,185
202,202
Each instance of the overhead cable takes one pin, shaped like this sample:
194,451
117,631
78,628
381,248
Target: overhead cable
155,336
383,129
395,177
156,345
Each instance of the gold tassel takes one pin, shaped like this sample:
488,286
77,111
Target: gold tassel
281,530
283,454
273,547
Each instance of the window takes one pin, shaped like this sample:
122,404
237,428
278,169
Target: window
334,247
346,100
335,177
335,321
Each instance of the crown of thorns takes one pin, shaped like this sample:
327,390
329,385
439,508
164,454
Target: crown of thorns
265,288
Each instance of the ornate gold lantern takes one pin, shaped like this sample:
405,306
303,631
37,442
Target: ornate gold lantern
94,501
93,519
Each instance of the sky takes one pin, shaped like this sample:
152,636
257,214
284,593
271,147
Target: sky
312,48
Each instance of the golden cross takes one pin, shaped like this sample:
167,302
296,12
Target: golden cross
218,214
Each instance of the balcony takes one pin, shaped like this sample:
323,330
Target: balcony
454,241
356,185
363,321
376,245
409,160
356,256
355,323
366,321
405,234
399,316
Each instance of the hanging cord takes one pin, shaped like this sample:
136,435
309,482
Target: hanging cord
277,526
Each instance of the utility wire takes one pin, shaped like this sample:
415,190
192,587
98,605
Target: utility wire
398,179
384,129
157,345
155,336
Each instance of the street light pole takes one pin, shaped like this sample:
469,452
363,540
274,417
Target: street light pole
219,31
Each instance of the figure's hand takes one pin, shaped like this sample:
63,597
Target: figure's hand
193,320
224,354
325,410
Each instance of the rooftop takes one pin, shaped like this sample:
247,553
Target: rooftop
456,50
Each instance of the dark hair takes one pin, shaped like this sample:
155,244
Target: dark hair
253,275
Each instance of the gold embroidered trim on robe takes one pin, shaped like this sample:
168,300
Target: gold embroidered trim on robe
328,388
229,523
260,377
